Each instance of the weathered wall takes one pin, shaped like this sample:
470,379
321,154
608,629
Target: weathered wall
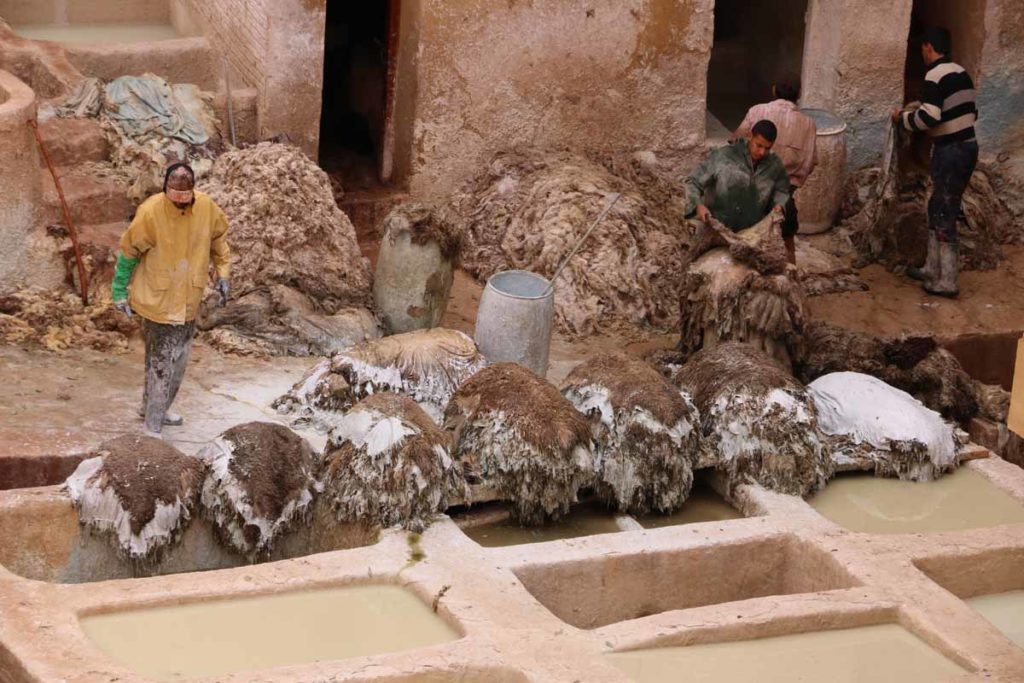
596,74
1001,83
275,46
853,65
21,182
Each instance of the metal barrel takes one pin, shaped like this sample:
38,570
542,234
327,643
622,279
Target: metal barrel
412,283
818,201
513,323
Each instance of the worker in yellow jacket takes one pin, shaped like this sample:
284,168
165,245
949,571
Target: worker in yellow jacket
162,270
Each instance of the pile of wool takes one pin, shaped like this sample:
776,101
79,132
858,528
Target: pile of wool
917,365
758,422
57,320
513,430
389,464
823,273
646,432
261,482
885,215
529,208
743,293
426,365
284,230
139,491
874,426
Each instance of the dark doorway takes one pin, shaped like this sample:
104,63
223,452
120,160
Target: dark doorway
966,23
355,92
756,43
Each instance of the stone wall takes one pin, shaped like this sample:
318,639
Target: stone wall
22,192
595,74
1001,82
274,46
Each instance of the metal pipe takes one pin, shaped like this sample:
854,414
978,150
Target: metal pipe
82,280
231,104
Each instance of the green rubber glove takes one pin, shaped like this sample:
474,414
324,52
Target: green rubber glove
122,276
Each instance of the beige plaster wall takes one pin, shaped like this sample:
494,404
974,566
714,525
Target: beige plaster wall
854,56
1001,80
274,46
596,74
22,191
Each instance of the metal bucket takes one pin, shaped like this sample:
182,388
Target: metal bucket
412,283
818,201
513,323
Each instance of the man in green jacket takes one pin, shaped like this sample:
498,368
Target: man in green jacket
740,183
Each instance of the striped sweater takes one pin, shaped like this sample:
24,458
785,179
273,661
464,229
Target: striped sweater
948,109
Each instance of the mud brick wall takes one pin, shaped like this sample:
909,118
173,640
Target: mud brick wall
236,28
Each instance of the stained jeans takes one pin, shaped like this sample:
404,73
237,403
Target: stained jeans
952,166
167,349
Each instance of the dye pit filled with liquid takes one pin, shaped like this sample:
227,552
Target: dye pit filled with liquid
880,654
1005,611
247,634
583,520
963,499
98,34
703,505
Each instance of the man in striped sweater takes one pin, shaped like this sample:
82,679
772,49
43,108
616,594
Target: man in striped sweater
947,113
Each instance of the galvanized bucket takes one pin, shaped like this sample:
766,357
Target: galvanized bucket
513,322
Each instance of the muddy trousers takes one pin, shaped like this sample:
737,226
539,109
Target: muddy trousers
952,166
167,349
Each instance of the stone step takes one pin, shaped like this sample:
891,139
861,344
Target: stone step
91,200
73,141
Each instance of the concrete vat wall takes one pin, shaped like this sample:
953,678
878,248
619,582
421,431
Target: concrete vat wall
20,178
598,75
83,11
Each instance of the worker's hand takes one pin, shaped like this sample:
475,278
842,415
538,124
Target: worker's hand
223,289
123,306
778,209
703,214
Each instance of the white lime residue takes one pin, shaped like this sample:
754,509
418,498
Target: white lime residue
225,496
591,397
868,410
369,429
100,508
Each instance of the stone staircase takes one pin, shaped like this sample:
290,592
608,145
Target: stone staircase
99,206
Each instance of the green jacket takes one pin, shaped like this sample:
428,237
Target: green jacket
735,192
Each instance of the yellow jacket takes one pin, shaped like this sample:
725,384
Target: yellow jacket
174,248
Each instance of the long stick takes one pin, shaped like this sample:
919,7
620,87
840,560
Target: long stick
82,281
231,104
615,198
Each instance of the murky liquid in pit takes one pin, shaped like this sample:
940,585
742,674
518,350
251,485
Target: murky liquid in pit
583,520
98,34
880,654
703,505
961,500
245,634
1005,611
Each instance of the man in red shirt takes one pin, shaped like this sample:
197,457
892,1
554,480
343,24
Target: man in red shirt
795,146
